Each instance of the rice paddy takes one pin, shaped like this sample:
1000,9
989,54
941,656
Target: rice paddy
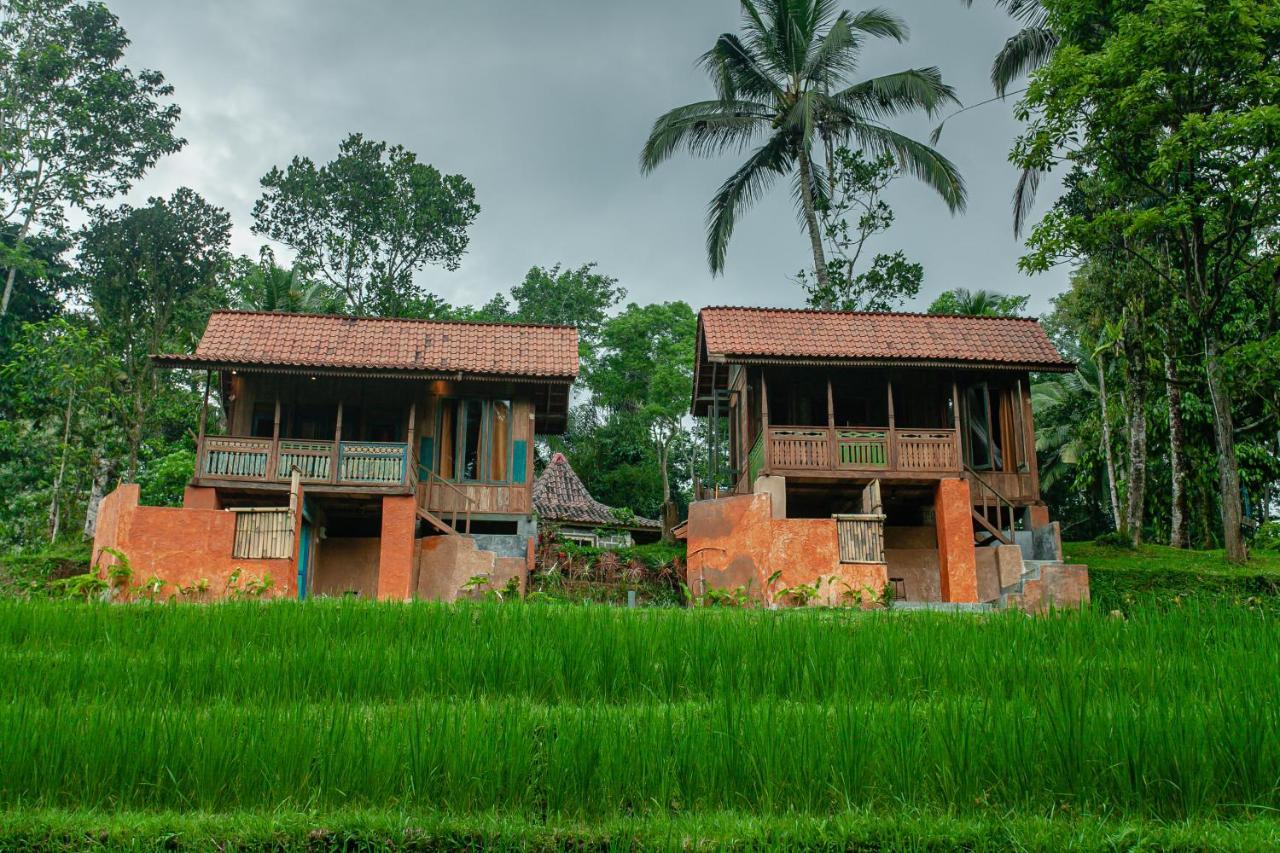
546,716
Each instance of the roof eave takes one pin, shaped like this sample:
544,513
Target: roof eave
194,362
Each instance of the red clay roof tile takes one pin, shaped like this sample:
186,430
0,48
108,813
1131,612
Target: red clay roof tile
327,341
799,334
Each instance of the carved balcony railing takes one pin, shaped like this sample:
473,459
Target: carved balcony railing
342,463
877,450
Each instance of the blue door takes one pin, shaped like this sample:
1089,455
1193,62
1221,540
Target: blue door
304,559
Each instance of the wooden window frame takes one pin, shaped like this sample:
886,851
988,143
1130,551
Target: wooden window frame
484,450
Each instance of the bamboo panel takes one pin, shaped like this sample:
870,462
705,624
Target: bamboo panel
262,534
796,449
236,458
313,458
861,538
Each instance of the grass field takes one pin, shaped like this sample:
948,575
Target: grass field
346,724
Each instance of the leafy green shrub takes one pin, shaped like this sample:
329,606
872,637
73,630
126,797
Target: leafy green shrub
161,481
1267,537
25,573
1114,539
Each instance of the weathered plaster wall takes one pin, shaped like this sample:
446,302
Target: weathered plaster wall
346,564
737,543
181,546
953,514
446,563
396,558
1059,586
200,497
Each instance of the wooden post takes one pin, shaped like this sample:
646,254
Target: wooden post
273,458
767,467
955,413
833,447
892,450
204,409
713,438
337,443
408,442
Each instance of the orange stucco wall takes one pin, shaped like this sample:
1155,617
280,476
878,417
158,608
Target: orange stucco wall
396,568
181,546
737,543
953,513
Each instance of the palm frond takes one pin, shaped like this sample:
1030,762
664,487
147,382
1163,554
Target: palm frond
835,54
1024,52
895,94
1024,198
916,159
704,128
736,71
743,188
880,23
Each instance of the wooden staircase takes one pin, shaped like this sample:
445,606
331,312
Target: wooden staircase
993,513
449,528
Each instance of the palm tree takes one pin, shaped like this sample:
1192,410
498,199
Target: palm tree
268,287
978,303
1024,52
782,84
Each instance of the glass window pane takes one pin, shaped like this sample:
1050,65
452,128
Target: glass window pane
976,400
472,421
997,434
500,441
446,444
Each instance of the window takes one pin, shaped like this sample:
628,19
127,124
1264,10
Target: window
982,406
475,440
264,420
262,534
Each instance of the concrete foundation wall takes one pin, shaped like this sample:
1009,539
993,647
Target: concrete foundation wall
182,546
737,543
446,563
345,565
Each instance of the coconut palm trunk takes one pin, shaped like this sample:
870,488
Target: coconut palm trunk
811,218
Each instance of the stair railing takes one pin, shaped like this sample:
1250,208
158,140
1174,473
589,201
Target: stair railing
467,500
1003,506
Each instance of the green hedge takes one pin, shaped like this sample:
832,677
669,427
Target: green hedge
27,573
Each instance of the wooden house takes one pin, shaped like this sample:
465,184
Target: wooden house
378,457
901,445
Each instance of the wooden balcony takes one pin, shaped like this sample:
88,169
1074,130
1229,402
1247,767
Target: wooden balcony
862,451
381,465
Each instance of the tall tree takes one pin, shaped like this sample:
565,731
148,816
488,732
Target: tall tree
646,370
152,275
1170,106
783,84
853,214
266,286
76,124
367,221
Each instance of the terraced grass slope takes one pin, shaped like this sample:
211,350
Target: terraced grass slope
344,723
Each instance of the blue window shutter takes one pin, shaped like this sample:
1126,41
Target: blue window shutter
426,457
518,461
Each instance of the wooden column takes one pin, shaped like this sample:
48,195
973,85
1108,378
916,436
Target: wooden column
274,456
408,444
767,468
892,443
833,448
955,413
335,455
204,410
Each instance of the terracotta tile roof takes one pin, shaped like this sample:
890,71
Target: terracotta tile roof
559,495
329,342
884,337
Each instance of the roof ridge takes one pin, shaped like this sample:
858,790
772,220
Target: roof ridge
765,309
352,317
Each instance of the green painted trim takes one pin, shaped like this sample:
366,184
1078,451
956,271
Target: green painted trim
519,451
755,459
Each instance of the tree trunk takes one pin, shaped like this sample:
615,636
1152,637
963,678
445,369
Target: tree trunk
1106,442
1224,439
13,270
811,219
101,476
668,516
1136,478
1178,537
55,508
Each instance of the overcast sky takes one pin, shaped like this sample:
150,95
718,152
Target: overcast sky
544,107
